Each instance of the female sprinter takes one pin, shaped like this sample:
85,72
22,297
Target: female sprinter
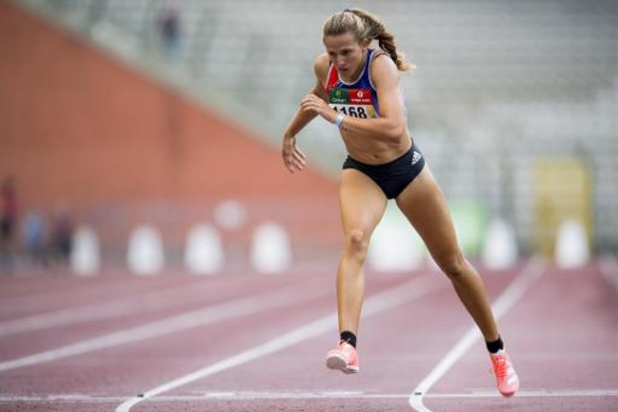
358,90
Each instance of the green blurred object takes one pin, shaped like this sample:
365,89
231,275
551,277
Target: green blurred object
471,222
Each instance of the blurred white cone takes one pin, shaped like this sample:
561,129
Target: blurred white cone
572,249
85,256
145,254
500,246
204,250
230,214
270,249
394,247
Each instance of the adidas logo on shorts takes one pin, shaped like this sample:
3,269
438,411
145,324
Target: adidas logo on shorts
416,157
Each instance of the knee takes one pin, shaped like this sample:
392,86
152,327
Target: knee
356,243
453,266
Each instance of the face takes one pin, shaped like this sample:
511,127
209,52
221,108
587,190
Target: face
346,53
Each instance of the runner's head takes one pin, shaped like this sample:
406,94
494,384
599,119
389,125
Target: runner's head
348,34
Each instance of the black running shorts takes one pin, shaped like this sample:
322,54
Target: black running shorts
392,177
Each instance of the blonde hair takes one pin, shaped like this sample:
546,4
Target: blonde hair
366,26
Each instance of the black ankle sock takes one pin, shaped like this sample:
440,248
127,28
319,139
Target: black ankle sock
495,346
348,337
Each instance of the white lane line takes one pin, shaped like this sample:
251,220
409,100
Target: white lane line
303,395
534,394
376,304
109,310
609,269
38,300
248,395
529,275
201,317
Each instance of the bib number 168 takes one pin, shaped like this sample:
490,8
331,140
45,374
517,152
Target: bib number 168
352,111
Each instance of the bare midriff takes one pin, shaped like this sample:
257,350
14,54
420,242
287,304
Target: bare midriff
372,151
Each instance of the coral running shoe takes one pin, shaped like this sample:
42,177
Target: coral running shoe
506,377
343,358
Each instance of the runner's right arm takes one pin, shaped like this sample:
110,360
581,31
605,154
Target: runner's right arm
293,157
303,118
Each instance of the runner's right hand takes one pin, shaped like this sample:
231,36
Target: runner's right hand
293,157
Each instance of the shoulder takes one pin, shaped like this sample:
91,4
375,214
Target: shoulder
383,70
320,67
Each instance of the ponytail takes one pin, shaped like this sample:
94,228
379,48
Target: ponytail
376,30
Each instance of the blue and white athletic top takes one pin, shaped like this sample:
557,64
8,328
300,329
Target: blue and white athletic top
358,99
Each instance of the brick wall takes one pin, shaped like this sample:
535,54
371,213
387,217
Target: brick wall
78,127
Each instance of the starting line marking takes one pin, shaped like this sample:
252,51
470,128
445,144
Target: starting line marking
305,395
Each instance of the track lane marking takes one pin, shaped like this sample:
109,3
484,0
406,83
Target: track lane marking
119,307
389,299
107,310
200,317
38,300
514,291
303,395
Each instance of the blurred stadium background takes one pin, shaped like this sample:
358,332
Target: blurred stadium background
120,113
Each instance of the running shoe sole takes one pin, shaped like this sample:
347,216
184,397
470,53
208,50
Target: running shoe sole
339,363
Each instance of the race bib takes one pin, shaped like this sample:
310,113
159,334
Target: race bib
352,102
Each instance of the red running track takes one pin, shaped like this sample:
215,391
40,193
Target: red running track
249,342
